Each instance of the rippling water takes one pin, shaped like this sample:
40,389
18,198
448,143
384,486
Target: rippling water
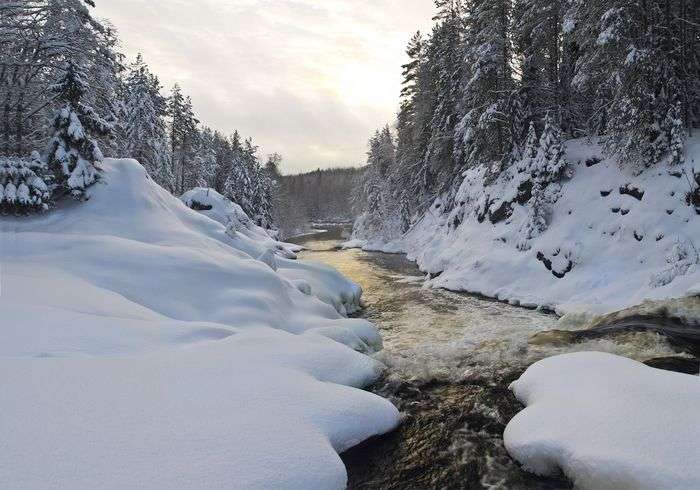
450,358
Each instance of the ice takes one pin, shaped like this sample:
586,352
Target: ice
607,422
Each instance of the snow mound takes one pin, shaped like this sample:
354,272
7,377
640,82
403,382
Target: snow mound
608,423
325,283
247,236
614,237
142,345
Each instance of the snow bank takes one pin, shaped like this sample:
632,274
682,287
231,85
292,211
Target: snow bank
607,422
141,345
614,239
323,282
245,233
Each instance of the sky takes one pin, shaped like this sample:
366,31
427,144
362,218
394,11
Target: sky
310,79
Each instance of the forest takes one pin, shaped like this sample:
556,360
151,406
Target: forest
317,196
498,81
69,96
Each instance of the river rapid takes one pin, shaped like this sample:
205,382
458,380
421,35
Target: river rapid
450,358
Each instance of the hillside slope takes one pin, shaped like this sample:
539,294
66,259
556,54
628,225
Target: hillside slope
614,238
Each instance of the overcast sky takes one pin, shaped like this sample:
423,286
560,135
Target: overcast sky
310,79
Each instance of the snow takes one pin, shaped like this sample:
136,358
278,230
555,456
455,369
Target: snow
613,247
607,422
144,346
324,282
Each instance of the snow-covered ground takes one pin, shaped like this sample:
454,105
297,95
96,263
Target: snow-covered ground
614,238
143,344
310,278
608,423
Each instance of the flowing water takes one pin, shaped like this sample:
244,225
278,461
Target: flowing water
450,359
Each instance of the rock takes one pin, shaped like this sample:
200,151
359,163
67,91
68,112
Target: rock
678,364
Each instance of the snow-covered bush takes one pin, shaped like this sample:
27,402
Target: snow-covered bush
24,185
73,155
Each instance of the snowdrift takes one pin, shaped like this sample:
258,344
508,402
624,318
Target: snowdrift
615,237
143,345
311,278
608,423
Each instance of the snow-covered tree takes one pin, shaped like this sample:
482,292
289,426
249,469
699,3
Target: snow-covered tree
545,171
141,130
531,142
74,155
677,136
184,137
24,185
445,54
550,161
37,38
484,128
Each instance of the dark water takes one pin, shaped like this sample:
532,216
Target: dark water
450,359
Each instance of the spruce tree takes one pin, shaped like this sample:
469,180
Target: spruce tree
484,128
24,185
142,131
74,155
183,139
677,136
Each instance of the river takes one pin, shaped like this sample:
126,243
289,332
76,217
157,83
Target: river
449,358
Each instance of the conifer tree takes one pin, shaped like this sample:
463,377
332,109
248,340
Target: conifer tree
183,139
24,185
142,132
73,154
484,127
677,136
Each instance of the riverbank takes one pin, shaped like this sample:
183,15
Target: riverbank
613,238
450,359
152,345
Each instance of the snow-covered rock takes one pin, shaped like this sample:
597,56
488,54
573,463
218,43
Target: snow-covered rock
614,237
142,345
324,282
608,423
247,235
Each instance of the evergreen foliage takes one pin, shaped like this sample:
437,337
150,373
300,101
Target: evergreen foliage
494,74
74,155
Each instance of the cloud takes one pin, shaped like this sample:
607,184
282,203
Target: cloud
310,79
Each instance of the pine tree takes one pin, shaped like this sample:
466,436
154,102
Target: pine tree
24,185
678,135
73,154
550,161
537,29
37,39
142,132
545,169
183,139
483,129
531,142
445,55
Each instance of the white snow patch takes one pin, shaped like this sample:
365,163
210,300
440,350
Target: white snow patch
141,345
608,423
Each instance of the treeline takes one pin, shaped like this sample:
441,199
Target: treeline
497,79
317,196
67,95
